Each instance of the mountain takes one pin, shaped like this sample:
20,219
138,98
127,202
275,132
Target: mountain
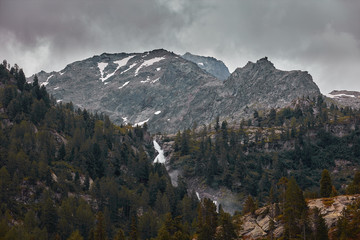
170,93
211,65
262,84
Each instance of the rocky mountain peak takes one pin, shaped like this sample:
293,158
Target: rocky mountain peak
169,92
262,83
265,63
262,64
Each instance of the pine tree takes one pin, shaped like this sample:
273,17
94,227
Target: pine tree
100,232
227,228
120,235
325,184
133,231
49,215
354,187
249,206
21,80
75,236
207,220
5,183
321,231
295,210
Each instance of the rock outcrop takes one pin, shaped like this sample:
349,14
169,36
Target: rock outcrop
256,226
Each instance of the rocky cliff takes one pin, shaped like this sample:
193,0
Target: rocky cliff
170,93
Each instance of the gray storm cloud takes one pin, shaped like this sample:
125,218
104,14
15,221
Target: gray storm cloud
321,36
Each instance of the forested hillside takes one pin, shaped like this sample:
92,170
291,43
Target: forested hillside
65,171
251,156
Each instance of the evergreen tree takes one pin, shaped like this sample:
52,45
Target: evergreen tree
207,220
133,229
295,211
325,184
217,124
249,206
227,228
21,80
320,231
49,215
354,187
75,236
120,235
100,232
5,185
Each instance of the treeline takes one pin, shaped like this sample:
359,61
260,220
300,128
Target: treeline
251,157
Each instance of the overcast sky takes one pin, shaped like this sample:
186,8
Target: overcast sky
318,36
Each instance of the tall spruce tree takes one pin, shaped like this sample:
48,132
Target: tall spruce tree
325,184
295,211
321,230
100,232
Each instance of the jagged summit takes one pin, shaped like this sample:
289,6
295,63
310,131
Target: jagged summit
169,92
262,63
265,85
265,63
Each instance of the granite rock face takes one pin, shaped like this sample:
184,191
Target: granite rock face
256,226
171,93
211,65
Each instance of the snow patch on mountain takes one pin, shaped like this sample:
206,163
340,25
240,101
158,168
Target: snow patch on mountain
124,85
158,69
148,63
201,64
340,95
131,66
155,80
141,123
102,66
147,80
157,112
47,81
120,63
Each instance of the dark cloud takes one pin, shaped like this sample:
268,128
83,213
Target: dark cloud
320,36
